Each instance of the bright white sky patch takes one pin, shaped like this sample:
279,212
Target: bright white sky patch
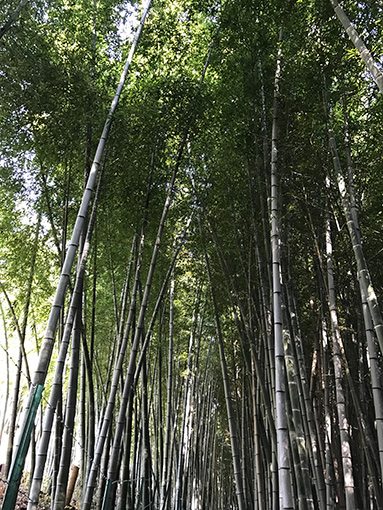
129,20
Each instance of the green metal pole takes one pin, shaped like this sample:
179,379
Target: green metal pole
108,489
18,462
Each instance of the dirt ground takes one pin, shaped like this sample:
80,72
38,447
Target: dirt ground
22,498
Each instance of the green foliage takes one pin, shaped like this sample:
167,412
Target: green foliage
59,67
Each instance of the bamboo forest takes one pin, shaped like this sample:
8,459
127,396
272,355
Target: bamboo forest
191,225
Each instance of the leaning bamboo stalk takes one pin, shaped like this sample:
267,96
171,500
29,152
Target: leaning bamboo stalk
363,424
244,449
263,270
60,363
169,389
133,354
122,343
204,414
91,408
359,44
47,347
259,497
370,305
45,355
229,406
207,437
117,371
296,468
131,380
210,467
146,459
70,411
159,299
306,404
245,332
325,382
348,475
179,489
12,18
377,390
140,322
125,471
364,275
303,474
366,435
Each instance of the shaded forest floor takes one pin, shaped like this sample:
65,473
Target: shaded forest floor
22,498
